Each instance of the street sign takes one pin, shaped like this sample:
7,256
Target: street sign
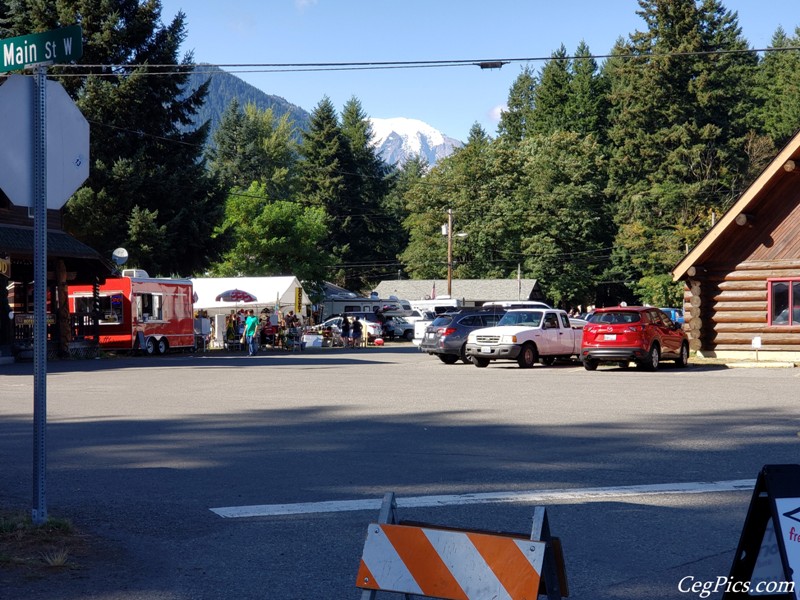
67,143
57,46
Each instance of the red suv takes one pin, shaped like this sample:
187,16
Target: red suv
642,334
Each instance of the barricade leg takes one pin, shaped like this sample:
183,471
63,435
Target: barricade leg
388,514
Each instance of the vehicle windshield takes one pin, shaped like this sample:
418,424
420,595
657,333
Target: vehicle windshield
616,317
522,318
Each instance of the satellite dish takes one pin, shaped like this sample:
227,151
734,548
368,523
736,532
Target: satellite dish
119,256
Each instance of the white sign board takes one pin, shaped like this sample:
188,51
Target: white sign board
67,143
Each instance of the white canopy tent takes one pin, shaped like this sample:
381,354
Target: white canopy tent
269,292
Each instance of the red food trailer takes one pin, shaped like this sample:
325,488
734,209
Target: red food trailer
138,312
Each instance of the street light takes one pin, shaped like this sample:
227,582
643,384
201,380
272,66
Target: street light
449,234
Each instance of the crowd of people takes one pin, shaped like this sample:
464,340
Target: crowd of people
268,328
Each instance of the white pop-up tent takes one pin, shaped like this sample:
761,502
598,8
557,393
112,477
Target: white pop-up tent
270,292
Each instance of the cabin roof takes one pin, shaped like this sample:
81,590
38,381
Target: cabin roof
785,164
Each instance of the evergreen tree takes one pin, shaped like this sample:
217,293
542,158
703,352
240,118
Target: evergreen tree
678,136
565,227
514,120
779,88
252,145
143,163
551,96
325,166
373,242
587,103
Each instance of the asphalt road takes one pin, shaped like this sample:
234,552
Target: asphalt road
140,450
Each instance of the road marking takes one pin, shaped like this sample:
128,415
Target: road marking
533,496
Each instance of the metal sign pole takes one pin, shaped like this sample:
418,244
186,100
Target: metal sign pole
39,509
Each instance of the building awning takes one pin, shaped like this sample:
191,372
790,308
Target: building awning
17,243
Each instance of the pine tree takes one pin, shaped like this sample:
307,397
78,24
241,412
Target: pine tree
140,155
551,96
324,172
514,120
252,145
373,241
678,138
779,88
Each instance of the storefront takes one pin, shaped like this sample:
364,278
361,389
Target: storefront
68,261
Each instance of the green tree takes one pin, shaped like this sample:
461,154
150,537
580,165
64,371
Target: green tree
551,96
373,241
565,226
273,237
779,88
140,155
515,118
678,129
253,145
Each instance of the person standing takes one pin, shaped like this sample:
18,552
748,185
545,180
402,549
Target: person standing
356,332
250,332
345,333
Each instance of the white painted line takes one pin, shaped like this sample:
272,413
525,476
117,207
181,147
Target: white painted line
580,494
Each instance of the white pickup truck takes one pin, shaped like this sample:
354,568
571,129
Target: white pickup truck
526,335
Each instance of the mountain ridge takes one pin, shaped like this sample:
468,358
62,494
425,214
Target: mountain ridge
396,139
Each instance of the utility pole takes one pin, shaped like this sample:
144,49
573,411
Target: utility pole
449,252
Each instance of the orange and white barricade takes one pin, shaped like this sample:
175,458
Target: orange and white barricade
440,562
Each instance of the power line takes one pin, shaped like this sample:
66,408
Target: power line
208,68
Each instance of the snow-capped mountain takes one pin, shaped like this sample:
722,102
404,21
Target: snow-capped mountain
400,138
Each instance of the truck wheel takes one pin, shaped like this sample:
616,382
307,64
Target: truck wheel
527,356
150,346
448,359
463,355
480,362
162,346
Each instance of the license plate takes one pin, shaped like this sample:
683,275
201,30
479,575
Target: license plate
486,350
610,336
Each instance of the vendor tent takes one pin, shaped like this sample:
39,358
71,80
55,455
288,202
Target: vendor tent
268,292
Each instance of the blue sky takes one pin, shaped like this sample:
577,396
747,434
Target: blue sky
450,99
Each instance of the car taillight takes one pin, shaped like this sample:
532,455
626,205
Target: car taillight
634,328
448,331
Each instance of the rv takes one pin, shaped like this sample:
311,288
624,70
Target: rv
351,303
136,312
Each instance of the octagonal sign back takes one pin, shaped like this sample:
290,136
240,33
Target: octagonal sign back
67,143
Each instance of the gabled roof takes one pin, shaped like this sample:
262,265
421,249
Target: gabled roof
471,290
749,199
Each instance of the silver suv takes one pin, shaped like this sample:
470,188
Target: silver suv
446,337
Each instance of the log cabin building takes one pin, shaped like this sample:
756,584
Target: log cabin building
69,261
742,280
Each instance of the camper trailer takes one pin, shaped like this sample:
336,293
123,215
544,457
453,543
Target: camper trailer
349,303
137,312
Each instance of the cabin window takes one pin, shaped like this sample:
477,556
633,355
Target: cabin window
149,307
784,302
109,305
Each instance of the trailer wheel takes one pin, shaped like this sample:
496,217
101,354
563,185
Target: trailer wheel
150,346
162,346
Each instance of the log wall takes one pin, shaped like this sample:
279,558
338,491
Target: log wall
726,309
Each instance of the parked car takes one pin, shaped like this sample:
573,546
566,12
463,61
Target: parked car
370,322
398,328
642,334
446,336
676,314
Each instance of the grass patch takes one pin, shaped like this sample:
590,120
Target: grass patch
39,549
